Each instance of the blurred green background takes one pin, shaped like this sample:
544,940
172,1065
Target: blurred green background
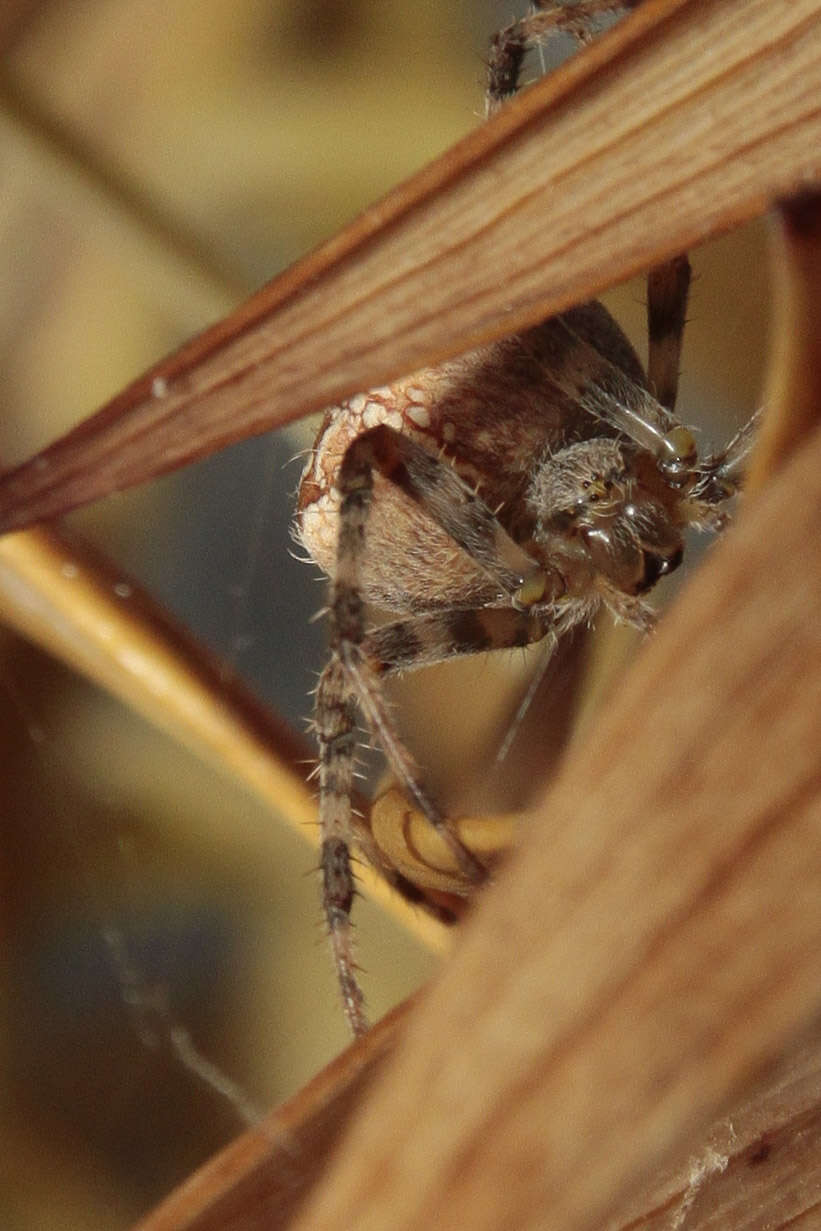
159,161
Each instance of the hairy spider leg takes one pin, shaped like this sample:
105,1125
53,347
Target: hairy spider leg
606,392
421,641
509,46
335,721
351,677
532,602
722,474
668,285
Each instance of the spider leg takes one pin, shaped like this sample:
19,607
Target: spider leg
668,286
351,678
629,608
608,394
593,381
451,505
547,20
393,648
335,722
722,474
449,502
335,719
719,478
421,641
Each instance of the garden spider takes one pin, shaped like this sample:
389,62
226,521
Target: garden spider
494,501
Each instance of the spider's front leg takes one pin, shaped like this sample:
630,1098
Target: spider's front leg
400,646
453,507
351,679
335,723
668,285
721,476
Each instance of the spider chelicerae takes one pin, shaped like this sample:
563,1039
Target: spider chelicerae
497,500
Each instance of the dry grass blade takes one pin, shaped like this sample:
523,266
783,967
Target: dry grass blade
760,1165
793,392
66,597
261,1179
63,595
49,152
559,196
664,912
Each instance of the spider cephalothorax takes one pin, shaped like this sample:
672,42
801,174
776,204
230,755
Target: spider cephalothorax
593,511
497,500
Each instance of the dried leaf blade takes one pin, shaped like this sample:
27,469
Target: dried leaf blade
497,233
